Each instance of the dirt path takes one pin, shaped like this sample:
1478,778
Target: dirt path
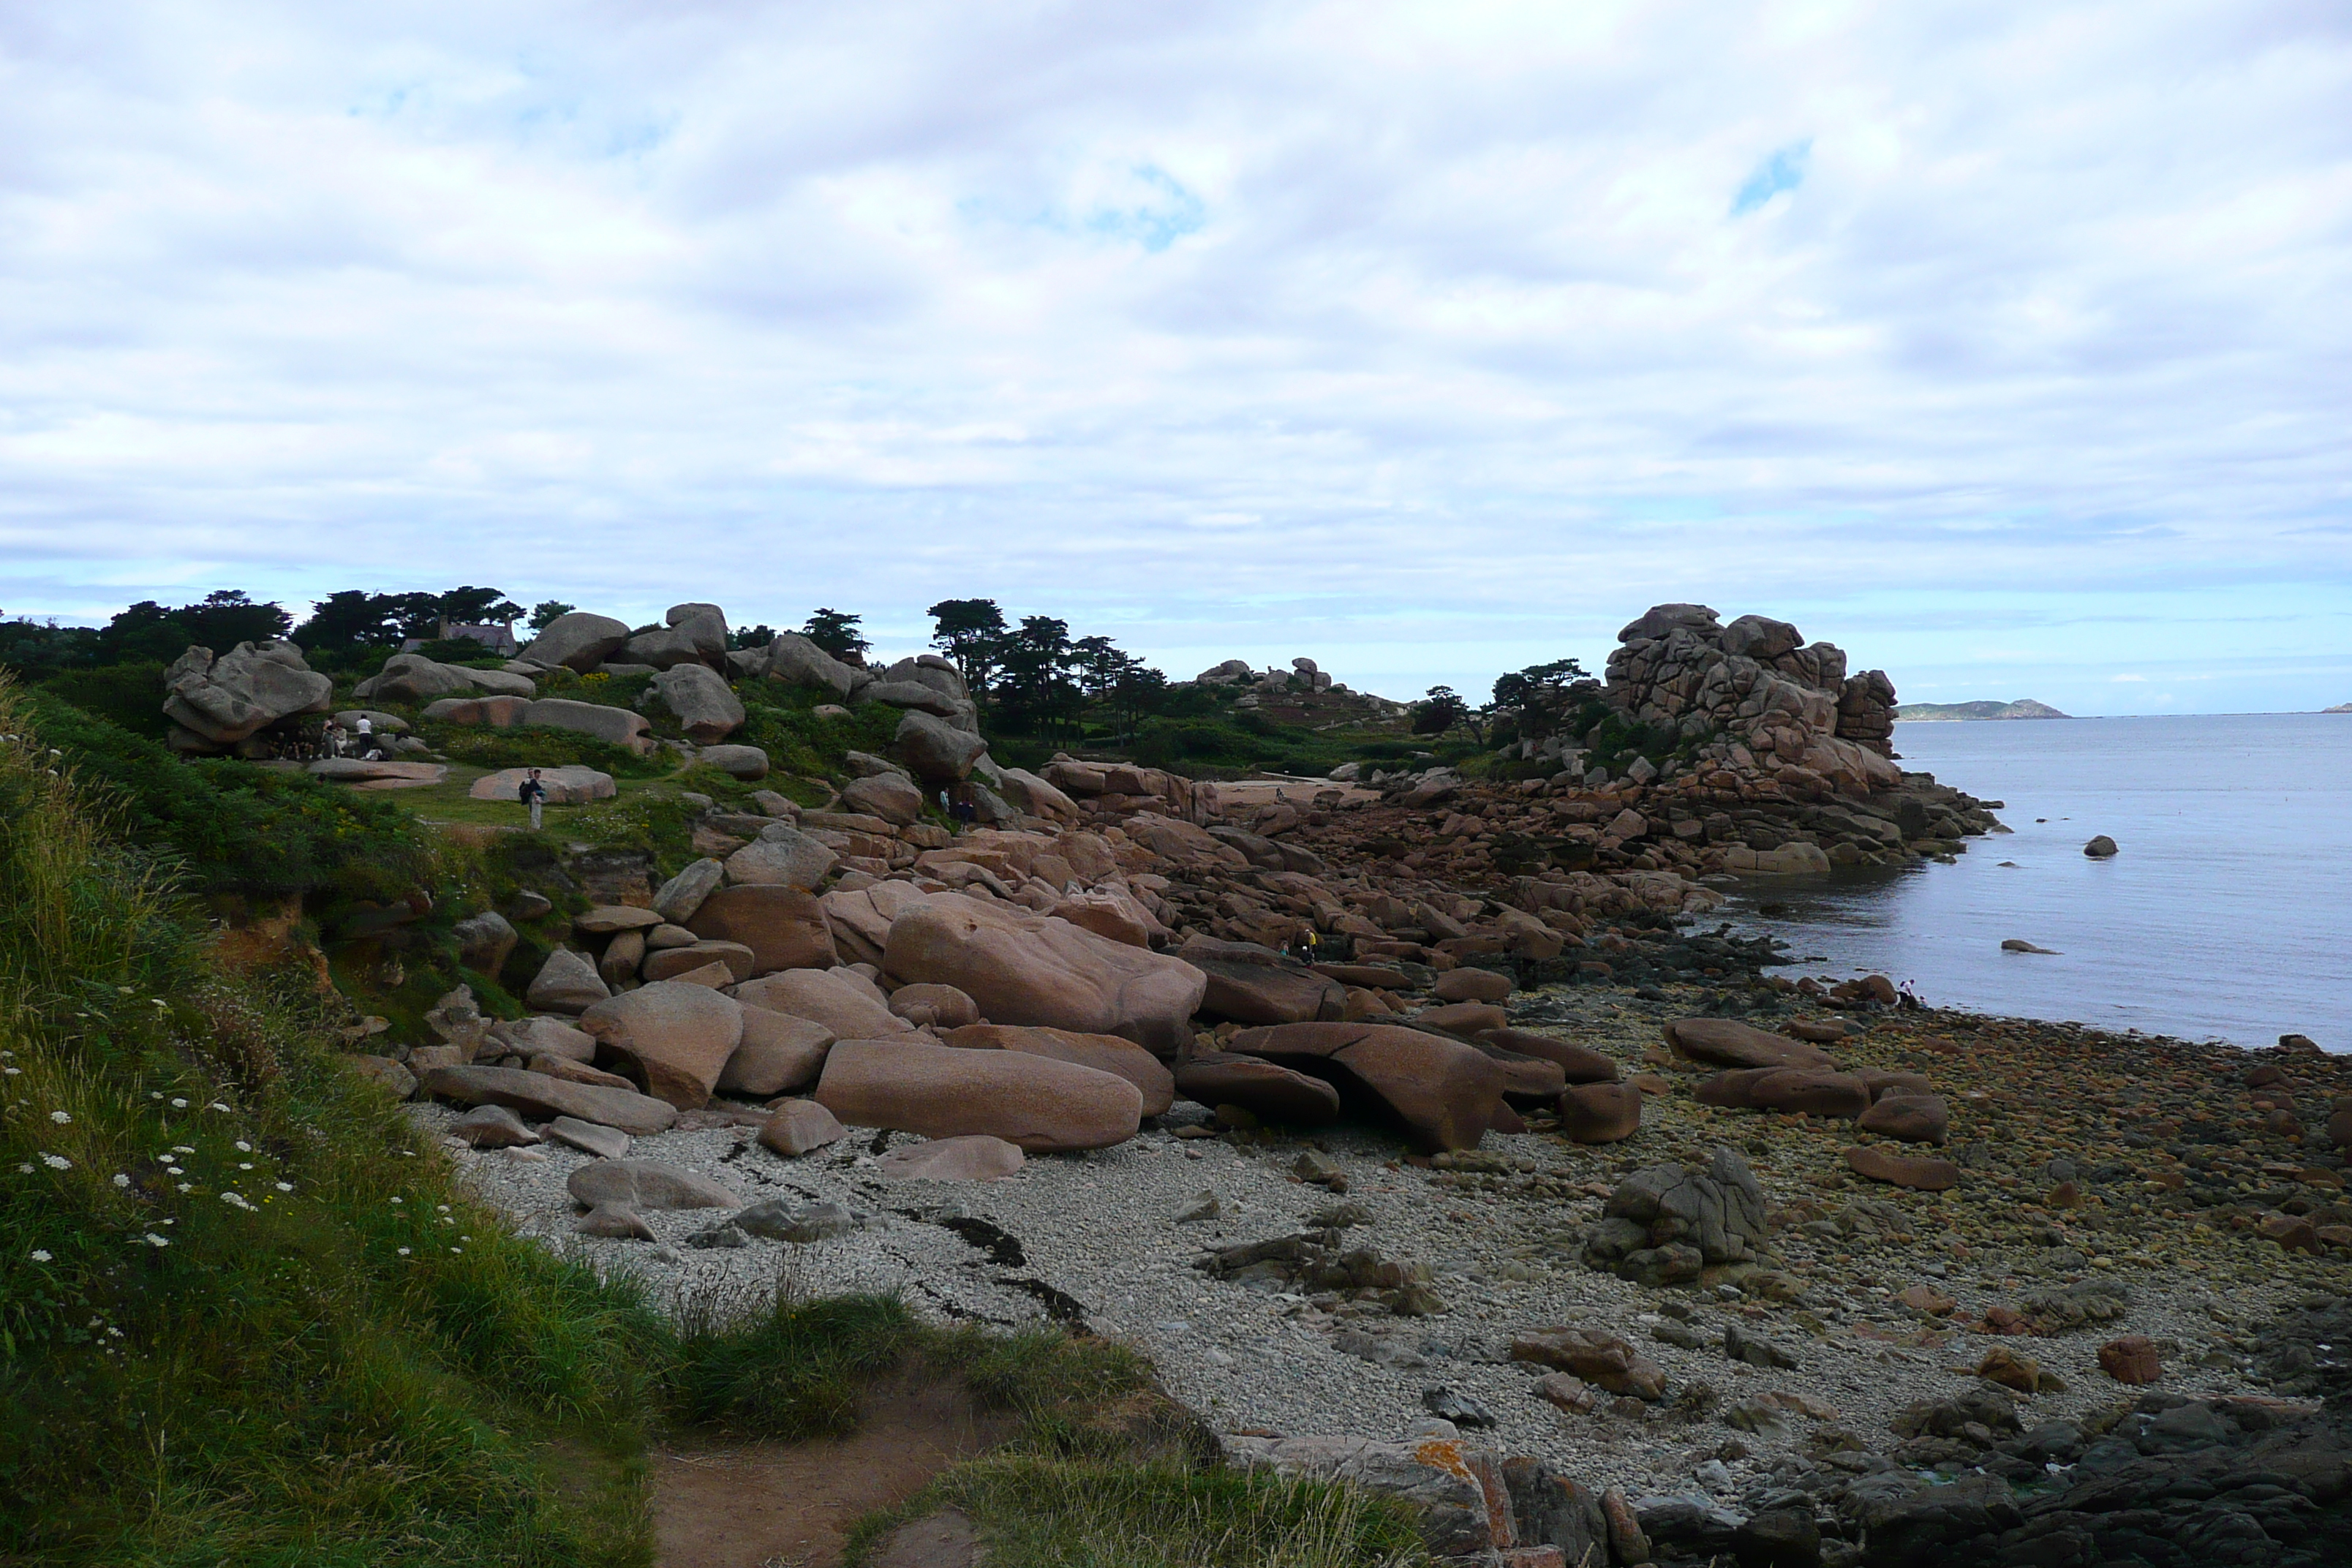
787,1505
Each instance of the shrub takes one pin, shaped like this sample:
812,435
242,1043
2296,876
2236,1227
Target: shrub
538,746
127,695
230,827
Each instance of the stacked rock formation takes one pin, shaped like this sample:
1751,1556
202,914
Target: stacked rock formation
229,703
1764,700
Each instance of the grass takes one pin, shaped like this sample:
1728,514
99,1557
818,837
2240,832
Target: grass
1106,1470
242,1318
1036,1511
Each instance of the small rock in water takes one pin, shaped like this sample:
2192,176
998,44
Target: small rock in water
2019,944
1451,1404
2100,848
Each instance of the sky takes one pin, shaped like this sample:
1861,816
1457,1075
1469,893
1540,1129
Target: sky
2007,346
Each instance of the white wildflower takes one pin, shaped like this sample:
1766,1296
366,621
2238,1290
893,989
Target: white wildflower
396,1200
154,1240
403,1252
217,1104
187,1187
40,1254
285,1186
56,1161
60,1118
179,1105
23,1170
13,1072
243,1147
245,1164
120,1179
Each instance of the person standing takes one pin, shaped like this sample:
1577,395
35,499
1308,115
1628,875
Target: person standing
365,729
532,793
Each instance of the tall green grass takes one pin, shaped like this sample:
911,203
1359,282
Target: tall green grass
244,1316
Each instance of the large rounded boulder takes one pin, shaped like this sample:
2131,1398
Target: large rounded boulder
1025,968
675,1035
1444,1094
1034,1101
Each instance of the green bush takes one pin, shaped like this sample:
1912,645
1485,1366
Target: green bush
538,746
231,826
129,695
799,743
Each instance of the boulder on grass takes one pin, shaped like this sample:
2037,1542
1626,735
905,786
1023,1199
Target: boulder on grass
1023,968
223,701
675,1035
618,726
749,763
705,709
1034,1101
939,754
567,785
576,640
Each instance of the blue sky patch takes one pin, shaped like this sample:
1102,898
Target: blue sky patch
1783,171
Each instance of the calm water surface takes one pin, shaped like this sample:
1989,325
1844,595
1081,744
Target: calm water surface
2228,915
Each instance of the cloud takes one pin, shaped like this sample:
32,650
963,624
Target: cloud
1783,171
1412,337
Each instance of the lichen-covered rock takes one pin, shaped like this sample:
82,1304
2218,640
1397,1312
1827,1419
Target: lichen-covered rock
1673,1219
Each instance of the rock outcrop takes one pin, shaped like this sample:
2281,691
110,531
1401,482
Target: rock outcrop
1756,698
220,704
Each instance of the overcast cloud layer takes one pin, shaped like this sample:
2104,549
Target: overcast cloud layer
2006,345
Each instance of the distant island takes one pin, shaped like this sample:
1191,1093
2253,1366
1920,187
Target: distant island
2339,707
2024,707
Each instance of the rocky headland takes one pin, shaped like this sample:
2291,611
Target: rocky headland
1414,1121
2024,707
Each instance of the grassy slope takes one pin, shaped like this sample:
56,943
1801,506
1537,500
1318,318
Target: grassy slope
246,1318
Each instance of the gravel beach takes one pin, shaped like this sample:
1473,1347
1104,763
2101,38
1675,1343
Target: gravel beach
2066,1138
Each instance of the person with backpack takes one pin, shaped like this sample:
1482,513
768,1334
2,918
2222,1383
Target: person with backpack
532,793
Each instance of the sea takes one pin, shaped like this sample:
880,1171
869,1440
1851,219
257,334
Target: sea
2226,916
